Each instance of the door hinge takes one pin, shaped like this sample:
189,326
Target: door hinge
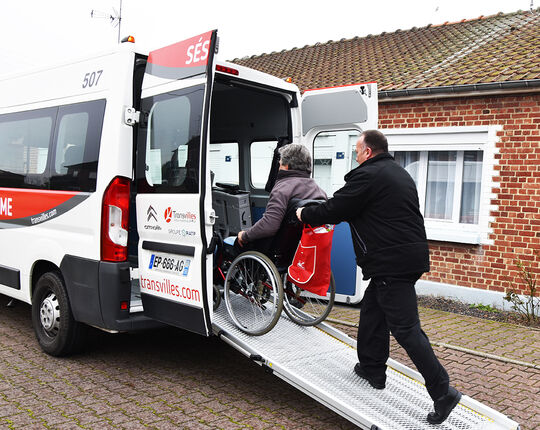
212,217
131,116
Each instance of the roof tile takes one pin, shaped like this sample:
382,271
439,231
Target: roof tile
496,48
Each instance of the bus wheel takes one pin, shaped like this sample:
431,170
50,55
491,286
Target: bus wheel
56,331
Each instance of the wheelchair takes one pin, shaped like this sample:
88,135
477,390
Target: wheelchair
255,285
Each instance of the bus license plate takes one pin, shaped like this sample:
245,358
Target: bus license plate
165,263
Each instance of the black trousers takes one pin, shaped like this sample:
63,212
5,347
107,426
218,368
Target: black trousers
390,305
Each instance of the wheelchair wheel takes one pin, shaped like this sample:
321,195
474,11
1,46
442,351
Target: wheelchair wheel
253,293
306,308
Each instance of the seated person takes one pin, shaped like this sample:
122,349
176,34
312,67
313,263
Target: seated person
293,182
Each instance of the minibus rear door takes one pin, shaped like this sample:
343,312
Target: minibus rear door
174,206
332,119
339,108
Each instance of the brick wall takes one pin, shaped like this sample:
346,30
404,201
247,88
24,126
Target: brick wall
516,230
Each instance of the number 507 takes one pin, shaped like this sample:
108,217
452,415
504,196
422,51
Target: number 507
91,79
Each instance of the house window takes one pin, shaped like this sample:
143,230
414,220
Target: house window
410,160
470,188
453,169
441,178
452,185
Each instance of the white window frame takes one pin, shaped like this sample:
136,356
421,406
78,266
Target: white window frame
460,139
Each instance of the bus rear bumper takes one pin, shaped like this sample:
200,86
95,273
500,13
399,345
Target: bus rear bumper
100,293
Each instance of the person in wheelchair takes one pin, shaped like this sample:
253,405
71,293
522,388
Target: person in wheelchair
293,182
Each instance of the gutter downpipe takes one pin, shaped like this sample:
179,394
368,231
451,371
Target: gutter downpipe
468,90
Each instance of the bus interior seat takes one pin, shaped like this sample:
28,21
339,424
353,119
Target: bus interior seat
73,157
232,207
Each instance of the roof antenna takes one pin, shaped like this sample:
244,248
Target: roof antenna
116,18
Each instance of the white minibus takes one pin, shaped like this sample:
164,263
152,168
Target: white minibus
106,172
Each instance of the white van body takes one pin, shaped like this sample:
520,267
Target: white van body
106,182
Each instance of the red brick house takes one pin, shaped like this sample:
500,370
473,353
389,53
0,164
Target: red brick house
460,104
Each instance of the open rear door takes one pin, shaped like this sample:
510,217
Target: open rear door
332,120
339,108
174,202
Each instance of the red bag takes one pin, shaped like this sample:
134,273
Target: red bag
310,268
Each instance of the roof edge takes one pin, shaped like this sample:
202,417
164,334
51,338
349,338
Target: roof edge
383,33
507,87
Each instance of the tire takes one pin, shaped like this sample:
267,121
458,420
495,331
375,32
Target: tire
56,331
306,308
253,293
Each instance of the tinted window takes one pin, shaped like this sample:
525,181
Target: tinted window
53,148
78,137
25,139
172,140
70,141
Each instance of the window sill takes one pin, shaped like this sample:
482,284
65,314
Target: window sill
456,233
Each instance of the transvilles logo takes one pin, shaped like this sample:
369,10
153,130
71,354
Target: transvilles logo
151,213
168,214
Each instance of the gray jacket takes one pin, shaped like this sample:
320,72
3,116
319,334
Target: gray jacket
290,184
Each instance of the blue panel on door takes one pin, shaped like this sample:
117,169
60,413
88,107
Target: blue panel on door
343,260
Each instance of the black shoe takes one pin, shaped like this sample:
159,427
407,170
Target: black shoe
443,406
296,303
360,372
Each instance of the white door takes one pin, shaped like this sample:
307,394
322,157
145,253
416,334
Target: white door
332,119
339,108
174,202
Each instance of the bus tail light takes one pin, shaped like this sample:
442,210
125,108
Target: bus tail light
115,220
228,70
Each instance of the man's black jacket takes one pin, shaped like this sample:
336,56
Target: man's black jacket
380,202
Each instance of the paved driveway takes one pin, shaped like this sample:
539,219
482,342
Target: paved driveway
172,379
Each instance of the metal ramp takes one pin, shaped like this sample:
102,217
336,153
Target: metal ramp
319,361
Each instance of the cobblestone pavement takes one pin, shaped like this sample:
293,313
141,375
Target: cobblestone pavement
509,388
172,379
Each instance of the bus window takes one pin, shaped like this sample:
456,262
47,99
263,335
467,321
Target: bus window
333,156
223,162
71,141
78,137
261,161
323,153
24,145
173,141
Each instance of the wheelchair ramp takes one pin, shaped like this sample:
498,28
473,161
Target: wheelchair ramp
319,361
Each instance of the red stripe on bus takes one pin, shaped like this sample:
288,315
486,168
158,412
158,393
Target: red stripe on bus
20,203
